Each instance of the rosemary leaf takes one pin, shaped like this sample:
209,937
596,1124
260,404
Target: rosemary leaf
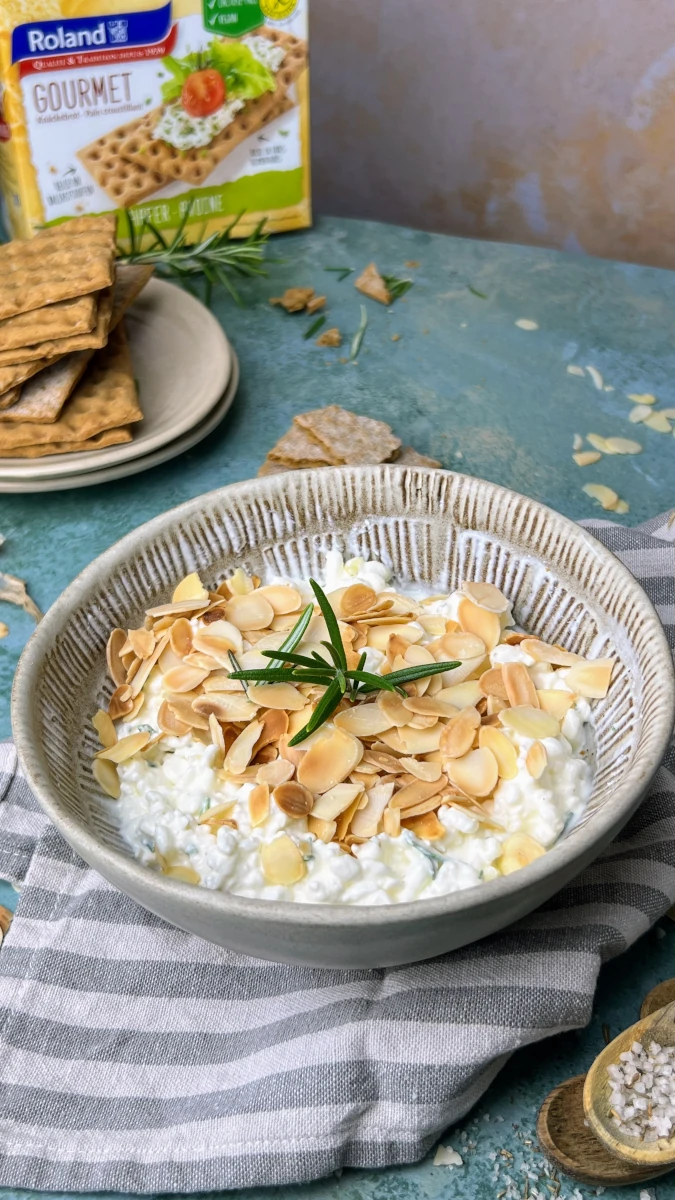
341,272
410,674
270,675
376,683
326,706
475,292
300,660
314,328
357,340
296,635
331,624
397,287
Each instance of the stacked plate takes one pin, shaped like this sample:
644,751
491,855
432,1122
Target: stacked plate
187,376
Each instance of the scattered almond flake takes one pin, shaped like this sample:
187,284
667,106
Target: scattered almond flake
605,496
639,413
598,443
658,422
447,1157
524,323
4,629
608,388
586,458
574,370
578,442
596,377
621,445
621,506
13,590
642,397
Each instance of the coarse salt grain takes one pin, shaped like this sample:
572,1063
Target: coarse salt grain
642,1091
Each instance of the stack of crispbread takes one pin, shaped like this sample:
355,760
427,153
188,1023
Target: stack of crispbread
334,437
66,379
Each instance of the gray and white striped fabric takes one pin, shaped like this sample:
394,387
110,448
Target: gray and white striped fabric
136,1058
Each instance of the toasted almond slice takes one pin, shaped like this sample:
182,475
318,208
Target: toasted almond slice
181,707
457,736
519,687
142,642
391,706
218,640
282,598
357,599
170,723
518,851
555,701
203,661
462,646
363,720
378,635
334,802
606,496
591,678
621,445
224,706
408,740
274,773
476,773
133,669
585,458
277,695
181,609
530,722
659,422
430,706
426,826
148,663
323,830
190,588
281,861
492,684
181,637
292,754
121,703
461,695
329,761
218,817
218,739
251,611
366,820
434,626
598,442
239,584
184,679
396,647
241,751
417,792
107,734
168,659
486,625
542,652
183,873
495,705
536,760
486,595
105,774
621,506
293,799
116,668
429,772
382,761
391,822
504,751
275,725
125,748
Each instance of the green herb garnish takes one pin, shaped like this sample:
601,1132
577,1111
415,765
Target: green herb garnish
397,287
475,292
244,76
359,335
341,272
337,678
314,328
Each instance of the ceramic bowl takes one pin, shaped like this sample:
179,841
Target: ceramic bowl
433,527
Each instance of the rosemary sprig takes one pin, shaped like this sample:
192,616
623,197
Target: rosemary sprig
359,335
338,679
397,287
218,258
341,272
475,292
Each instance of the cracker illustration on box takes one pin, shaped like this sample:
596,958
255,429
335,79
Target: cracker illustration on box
194,104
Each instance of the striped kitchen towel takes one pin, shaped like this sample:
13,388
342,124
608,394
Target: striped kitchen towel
136,1058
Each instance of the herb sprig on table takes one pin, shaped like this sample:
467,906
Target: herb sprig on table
219,257
338,679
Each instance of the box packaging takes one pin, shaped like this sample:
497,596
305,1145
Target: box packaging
197,106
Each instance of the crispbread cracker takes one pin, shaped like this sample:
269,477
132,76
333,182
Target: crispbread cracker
348,437
193,166
409,457
274,468
80,341
130,280
297,449
10,397
126,182
110,437
63,319
43,396
18,372
104,399
63,261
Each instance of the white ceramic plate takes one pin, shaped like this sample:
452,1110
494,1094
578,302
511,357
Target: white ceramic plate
136,465
182,361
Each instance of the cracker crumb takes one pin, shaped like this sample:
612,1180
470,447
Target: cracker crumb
371,283
396,337
412,262
330,337
294,299
4,629
315,303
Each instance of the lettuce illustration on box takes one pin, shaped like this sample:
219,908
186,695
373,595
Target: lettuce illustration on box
197,105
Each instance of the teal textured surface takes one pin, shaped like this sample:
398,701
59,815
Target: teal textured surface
467,385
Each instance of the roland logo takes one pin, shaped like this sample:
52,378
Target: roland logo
65,39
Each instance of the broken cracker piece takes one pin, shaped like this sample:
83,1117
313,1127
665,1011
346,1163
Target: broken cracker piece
409,457
348,437
371,283
45,394
294,299
315,303
331,337
270,467
297,449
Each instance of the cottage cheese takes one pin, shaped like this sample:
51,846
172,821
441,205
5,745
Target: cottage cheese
164,793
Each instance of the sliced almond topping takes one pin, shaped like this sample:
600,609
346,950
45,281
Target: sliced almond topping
274,773
282,598
323,830
363,720
396,646
366,820
378,635
218,739
218,640
133,669
181,609
585,458
190,588
105,774
429,772
116,668
461,695
462,646
241,751
391,706
181,706
495,705
345,818
334,802
426,826
184,874
486,595
408,740
659,422
518,851
430,706
486,625
203,661
281,861
277,695
148,664
184,679
239,584
107,734
217,816
519,687
542,652
357,599
329,761
592,678
251,611
293,799
125,748
382,761
417,792
492,684
530,722
433,626
292,754
598,442
181,637
391,822
504,751
556,702
170,723
639,413
121,703
275,725
476,773
536,760
606,496
457,736
142,642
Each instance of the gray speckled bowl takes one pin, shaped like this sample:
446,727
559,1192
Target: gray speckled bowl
429,526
